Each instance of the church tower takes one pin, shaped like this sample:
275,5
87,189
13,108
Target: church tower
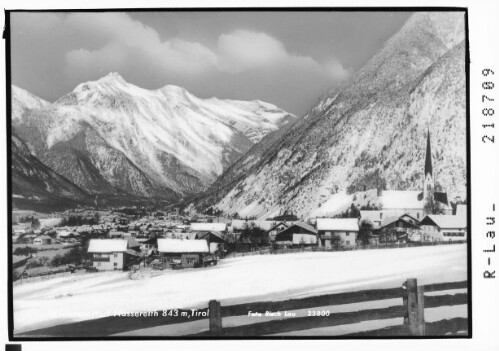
429,180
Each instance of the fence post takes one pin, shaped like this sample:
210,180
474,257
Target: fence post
421,322
215,318
414,302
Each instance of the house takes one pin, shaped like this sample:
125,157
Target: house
215,240
175,253
42,240
148,244
114,234
444,228
297,234
98,229
277,228
399,228
108,254
339,232
68,235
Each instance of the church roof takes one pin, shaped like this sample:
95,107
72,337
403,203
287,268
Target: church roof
428,166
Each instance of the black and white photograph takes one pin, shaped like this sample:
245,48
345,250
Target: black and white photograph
252,173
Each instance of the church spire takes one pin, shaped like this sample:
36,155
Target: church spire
428,166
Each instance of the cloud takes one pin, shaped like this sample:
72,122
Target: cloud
336,69
243,50
127,39
56,51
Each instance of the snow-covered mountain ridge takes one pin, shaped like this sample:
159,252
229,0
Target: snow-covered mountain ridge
370,132
110,136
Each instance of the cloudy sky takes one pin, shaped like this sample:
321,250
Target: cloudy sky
286,58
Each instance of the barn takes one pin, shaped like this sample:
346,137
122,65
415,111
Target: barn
298,234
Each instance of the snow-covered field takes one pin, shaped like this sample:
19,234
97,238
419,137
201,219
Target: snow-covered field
237,280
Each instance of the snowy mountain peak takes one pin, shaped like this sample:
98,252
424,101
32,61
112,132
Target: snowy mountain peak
173,89
118,136
113,77
23,100
178,95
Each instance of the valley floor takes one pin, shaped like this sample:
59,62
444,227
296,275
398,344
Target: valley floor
237,280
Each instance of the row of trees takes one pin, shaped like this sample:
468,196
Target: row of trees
74,221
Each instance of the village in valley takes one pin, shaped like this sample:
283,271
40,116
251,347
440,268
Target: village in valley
144,240
239,170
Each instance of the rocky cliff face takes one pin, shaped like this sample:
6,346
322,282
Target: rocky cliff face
111,137
34,182
369,132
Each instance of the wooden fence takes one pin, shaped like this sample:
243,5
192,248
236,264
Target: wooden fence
408,310
411,309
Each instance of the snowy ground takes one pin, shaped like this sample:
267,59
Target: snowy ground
245,279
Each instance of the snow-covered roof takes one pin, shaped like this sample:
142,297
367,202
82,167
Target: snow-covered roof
107,245
208,227
304,226
394,199
347,224
448,221
182,246
389,220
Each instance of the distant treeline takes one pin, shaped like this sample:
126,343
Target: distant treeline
74,221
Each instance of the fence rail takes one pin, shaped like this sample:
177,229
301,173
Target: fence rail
411,309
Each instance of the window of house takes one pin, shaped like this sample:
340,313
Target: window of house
347,234
115,264
381,215
417,215
98,264
348,242
115,255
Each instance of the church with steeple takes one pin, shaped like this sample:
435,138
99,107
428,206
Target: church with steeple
434,202
414,203
429,181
